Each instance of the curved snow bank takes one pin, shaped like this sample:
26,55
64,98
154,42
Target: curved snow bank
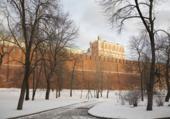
9,100
111,110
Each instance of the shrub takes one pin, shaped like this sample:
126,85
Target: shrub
121,98
132,97
159,100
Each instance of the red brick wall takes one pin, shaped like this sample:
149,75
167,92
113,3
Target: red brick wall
114,73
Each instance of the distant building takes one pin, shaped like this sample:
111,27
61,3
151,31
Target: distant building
75,50
104,48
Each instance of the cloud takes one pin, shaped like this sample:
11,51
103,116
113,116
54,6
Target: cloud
91,20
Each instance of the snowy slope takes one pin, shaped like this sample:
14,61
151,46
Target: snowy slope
109,109
9,100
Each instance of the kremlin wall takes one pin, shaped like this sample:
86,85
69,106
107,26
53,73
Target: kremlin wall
103,65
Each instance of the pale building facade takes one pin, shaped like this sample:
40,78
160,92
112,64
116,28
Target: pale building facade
104,48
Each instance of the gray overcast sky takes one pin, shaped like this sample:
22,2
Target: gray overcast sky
91,20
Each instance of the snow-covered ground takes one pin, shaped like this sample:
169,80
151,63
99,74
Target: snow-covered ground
113,109
9,100
110,108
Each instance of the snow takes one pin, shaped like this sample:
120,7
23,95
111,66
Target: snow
108,108
9,100
111,109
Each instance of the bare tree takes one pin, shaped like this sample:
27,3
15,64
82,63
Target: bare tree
75,59
89,93
82,76
138,45
60,34
163,52
164,56
123,10
109,84
72,77
60,72
4,44
59,80
167,54
99,77
36,75
28,31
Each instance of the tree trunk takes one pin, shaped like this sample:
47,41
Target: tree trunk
72,78
150,86
150,99
36,79
71,87
152,75
97,93
34,87
150,29
167,81
152,67
23,87
89,94
101,92
167,96
56,95
33,94
22,94
27,91
47,90
141,88
141,77
58,86
107,93
81,94
59,93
